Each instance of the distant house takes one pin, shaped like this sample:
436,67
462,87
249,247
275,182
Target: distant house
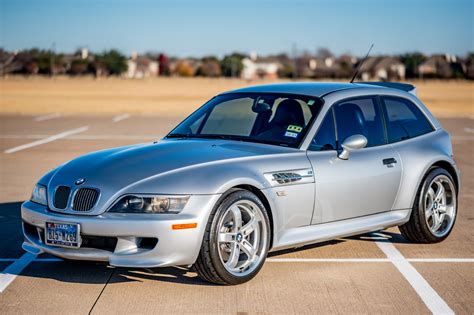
470,67
441,66
140,67
382,69
319,67
259,68
9,63
18,63
330,67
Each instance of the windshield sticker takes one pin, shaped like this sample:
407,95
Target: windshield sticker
294,128
310,102
291,134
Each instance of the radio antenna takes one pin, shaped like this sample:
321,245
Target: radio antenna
361,63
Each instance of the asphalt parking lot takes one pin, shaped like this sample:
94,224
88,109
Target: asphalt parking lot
376,273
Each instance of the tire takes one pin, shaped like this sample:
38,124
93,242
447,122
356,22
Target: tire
434,213
232,252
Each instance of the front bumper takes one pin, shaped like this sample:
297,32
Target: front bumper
171,247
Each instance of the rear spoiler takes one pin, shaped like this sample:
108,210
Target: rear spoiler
394,85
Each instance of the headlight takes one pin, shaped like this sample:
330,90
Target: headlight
150,204
39,195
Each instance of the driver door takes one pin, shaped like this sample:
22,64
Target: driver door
367,182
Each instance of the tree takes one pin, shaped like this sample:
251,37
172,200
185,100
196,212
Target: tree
411,62
184,69
287,70
164,64
324,53
113,61
209,68
231,65
79,66
470,66
40,61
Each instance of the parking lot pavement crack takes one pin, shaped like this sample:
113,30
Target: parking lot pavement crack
102,291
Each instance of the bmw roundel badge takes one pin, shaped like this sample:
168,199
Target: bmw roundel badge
80,181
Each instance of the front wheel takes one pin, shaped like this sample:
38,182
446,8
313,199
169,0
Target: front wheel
236,240
434,212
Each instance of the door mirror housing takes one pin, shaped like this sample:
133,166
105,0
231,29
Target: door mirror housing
355,142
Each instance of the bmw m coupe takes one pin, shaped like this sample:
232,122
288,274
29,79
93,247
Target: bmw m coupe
254,170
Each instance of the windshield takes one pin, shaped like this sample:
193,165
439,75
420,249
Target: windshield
280,119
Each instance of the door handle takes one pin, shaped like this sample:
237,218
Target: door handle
389,162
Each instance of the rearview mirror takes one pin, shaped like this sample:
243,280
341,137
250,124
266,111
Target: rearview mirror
351,143
259,106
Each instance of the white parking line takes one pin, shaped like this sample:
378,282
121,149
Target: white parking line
47,117
120,117
46,140
429,296
469,130
462,138
87,137
368,260
18,264
36,260
324,260
314,260
11,272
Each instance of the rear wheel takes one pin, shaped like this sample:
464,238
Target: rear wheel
236,240
434,212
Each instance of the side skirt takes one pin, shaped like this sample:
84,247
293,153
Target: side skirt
327,231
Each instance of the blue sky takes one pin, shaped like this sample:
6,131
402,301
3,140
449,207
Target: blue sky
197,28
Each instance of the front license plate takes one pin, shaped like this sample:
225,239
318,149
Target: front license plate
62,234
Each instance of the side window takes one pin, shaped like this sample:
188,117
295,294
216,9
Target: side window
325,138
360,116
404,119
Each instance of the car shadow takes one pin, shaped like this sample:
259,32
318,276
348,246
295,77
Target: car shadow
305,247
11,235
383,235
99,273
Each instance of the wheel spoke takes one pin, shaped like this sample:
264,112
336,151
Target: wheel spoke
237,217
248,249
440,192
248,228
437,221
431,194
442,208
234,256
226,237
429,213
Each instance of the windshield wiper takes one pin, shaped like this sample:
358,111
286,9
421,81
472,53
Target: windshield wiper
226,137
199,136
180,135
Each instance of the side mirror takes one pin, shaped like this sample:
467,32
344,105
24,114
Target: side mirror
354,142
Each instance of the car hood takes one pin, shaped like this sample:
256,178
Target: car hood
113,170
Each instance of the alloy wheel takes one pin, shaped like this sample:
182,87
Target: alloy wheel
242,238
440,205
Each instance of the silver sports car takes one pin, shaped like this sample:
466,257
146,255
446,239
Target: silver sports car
254,170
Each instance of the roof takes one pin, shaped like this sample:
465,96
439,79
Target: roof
320,89
317,89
